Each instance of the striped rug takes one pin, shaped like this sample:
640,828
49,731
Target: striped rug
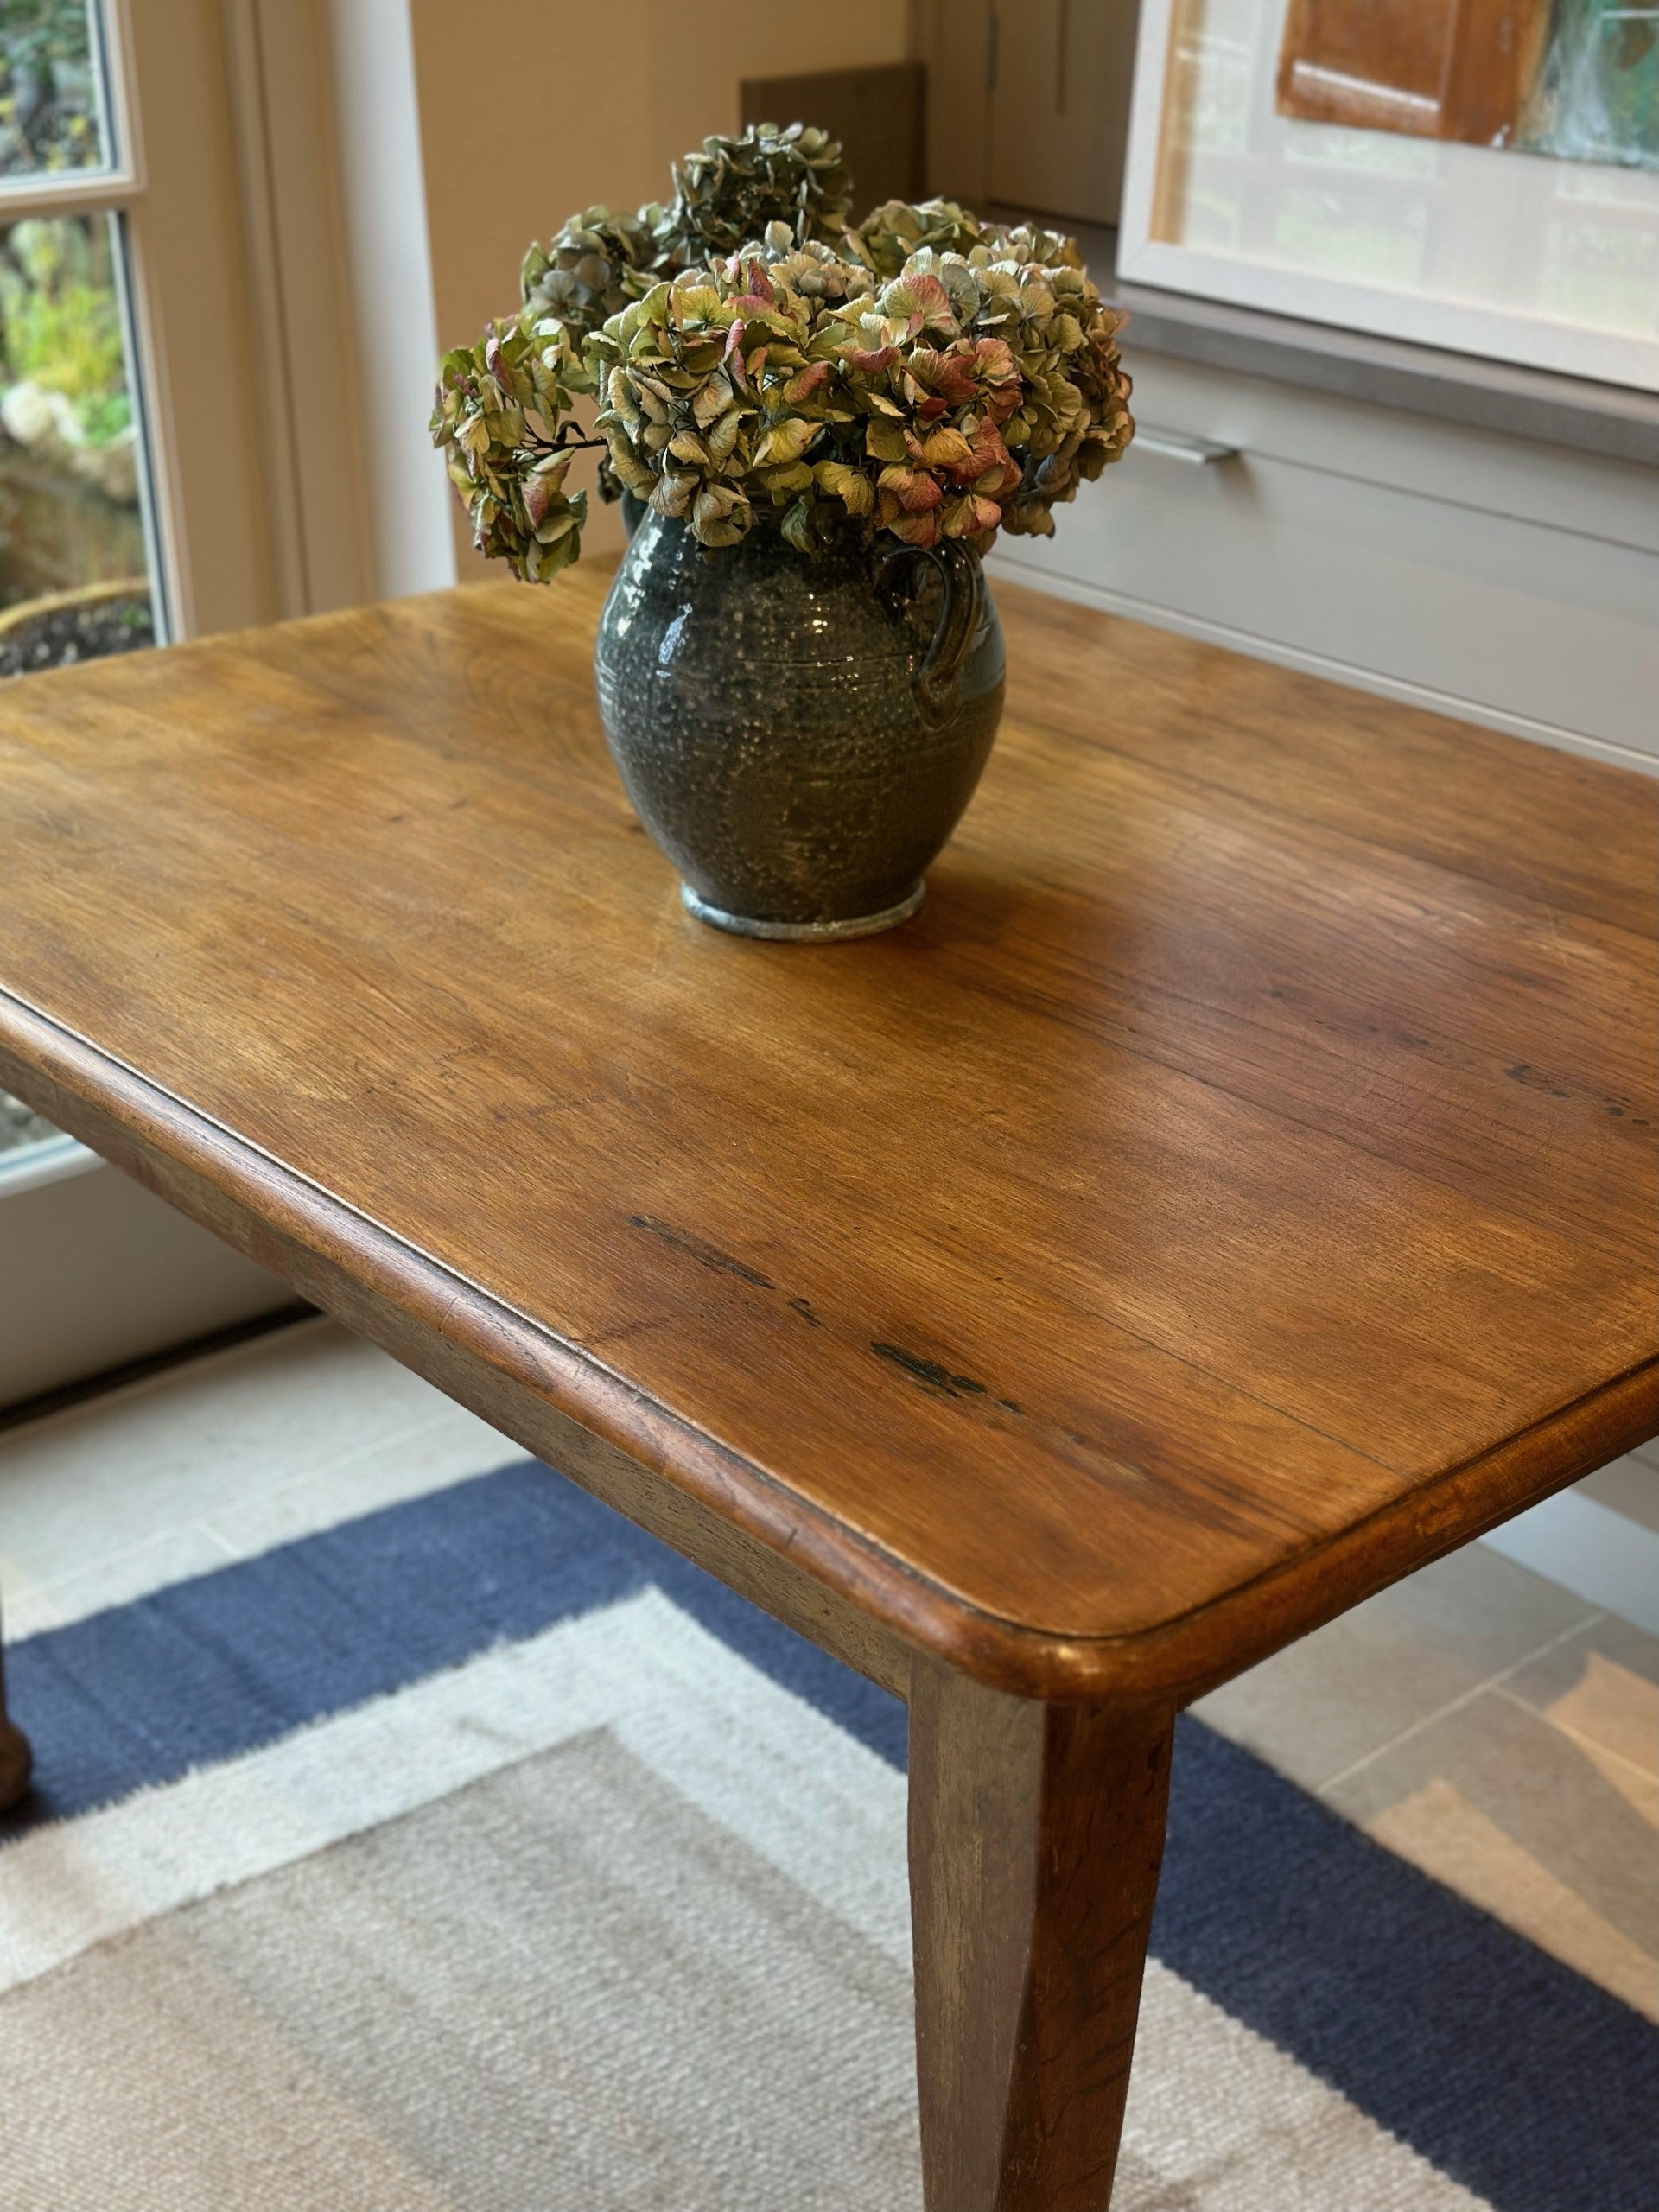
480,1856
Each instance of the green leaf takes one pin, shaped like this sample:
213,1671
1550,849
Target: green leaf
797,527
713,399
785,441
850,486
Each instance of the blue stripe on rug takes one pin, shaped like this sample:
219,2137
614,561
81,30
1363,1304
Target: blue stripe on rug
1513,2075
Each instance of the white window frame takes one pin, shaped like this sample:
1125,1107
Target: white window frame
173,221
269,256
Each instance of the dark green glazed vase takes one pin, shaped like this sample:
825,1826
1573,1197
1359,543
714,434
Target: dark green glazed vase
800,736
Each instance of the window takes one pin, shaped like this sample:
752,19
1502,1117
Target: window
135,467
77,576
199,269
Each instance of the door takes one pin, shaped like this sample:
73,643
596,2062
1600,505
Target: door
1029,102
133,476
1060,71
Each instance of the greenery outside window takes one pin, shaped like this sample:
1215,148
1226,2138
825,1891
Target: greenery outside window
78,578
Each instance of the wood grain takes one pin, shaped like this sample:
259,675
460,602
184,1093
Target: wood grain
1036,1835
1457,69
1236,1187
469,1347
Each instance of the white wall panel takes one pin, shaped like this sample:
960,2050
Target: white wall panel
95,1270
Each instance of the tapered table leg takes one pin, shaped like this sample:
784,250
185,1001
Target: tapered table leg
15,1758
1036,1832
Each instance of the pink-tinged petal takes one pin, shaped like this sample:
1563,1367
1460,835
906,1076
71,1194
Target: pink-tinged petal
916,529
916,491
952,375
922,299
733,358
987,442
947,448
806,381
987,455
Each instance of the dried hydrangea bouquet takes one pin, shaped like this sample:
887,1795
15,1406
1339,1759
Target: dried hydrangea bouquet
818,430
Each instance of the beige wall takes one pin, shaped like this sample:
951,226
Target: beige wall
560,113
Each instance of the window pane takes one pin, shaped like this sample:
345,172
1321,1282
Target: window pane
75,578
52,109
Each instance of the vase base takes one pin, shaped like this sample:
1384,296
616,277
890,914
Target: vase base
803,932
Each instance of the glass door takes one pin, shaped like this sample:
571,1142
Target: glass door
132,499
78,576
78,579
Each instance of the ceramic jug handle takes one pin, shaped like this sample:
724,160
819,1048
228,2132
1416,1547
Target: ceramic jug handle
936,677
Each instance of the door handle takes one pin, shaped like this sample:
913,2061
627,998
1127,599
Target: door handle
1176,445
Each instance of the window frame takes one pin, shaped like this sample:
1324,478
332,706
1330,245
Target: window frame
175,188
209,447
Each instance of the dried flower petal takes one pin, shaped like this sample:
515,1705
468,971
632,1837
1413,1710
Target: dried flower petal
947,378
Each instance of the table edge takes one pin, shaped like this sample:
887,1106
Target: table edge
340,1257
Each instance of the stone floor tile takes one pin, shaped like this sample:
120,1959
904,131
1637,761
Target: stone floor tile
1340,1694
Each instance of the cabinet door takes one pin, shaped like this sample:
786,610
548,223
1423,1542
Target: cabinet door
1060,74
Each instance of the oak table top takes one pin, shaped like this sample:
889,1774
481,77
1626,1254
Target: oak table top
1236,1187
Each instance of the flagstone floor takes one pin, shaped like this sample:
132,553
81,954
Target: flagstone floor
1479,1719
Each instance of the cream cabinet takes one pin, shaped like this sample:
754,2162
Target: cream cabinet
1502,581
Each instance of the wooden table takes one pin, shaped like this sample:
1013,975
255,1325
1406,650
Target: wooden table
1236,1189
